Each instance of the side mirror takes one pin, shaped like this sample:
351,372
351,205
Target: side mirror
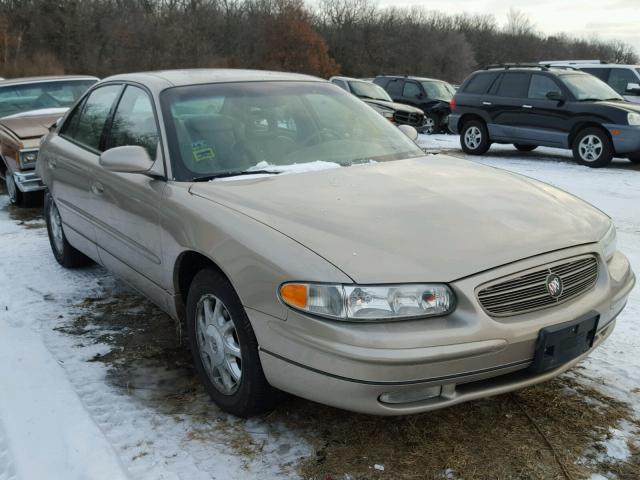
127,159
556,96
633,88
409,131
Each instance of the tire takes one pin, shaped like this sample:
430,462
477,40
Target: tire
225,349
65,254
431,124
525,148
593,147
474,137
635,158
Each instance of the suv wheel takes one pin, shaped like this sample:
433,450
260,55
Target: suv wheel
224,347
429,125
65,254
474,138
592,147
525,148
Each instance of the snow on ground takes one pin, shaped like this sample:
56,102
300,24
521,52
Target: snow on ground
63,413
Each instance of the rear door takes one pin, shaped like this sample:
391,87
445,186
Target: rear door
128,231
394,89
73,160
546,122
510,107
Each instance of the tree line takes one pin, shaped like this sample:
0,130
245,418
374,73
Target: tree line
351,37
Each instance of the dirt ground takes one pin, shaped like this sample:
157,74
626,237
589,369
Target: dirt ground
550,431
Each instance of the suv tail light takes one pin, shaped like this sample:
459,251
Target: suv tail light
452,103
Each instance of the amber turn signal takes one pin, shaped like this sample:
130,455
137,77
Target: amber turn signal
294,294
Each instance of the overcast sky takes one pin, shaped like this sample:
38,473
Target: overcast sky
602,19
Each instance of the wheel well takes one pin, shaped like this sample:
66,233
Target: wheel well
186,267
3,167
577,128
467,117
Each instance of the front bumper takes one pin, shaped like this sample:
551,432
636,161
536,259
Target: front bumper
465,355
28,181
626,138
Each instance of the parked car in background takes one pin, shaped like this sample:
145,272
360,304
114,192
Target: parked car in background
380,100
531,105
309,246
28,107
624,79
430,95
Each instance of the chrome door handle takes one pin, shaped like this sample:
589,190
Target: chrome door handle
97,188
486,103
527,106
53,163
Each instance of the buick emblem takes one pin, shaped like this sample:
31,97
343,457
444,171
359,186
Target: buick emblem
554,285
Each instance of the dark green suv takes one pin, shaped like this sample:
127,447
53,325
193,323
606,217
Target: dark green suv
532,105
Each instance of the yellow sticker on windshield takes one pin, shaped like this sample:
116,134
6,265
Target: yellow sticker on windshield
202,152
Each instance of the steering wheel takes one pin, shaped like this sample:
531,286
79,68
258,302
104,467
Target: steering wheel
46,100
322,134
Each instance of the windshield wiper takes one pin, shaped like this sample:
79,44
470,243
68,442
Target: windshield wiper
206,178
590,100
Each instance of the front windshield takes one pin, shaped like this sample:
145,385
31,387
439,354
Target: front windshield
370,90
218,129
439,90
21,98
586,87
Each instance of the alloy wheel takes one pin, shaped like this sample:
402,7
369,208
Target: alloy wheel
218,344
473,138
429,125
590,148
56,228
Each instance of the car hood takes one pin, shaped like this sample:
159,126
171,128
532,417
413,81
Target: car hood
30,124
622,105
393,105
434,218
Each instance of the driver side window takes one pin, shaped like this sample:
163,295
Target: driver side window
134,122
541,85
411,89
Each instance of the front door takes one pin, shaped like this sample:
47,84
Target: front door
129,204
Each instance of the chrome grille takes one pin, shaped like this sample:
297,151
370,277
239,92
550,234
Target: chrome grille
409,118
528,292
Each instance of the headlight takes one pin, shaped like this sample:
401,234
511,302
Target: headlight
609,242
365,303
633,118
27,158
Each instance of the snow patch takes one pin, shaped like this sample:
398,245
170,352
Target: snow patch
315,166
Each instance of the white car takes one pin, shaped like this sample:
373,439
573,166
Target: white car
624,79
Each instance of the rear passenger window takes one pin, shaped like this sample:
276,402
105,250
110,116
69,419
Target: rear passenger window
86,125
601,73
480,83
134,122
515,85
394,88
541,85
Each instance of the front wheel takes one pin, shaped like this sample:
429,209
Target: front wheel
474,138
66,255
525,148
593,147
224,347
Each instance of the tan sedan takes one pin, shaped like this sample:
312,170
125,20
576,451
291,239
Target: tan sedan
308,246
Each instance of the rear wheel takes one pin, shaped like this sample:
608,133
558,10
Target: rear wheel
593,147
430,123
224,347
525,148
474,137
66,255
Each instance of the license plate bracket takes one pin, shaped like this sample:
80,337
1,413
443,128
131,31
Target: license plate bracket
559,344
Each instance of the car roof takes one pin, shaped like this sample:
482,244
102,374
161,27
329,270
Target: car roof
162,79
411,77
553,71
48,78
